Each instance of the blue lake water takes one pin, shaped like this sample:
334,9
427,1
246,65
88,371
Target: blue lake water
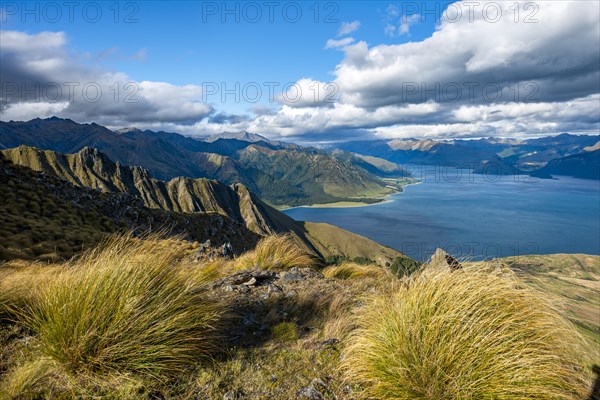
478,216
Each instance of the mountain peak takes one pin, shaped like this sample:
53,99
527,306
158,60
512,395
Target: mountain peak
241,135
127,129
54,118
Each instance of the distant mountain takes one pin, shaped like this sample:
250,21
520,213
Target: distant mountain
90,168
412,151
374,165
507,156
253,138
242,135
275,171
585,165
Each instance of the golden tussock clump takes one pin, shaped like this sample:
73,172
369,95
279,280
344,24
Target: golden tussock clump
275,252
122,308
350,270
467,334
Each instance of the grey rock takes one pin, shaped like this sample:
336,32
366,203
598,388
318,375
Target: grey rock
243,289
251,282
231,395
291,276
274,289
310,393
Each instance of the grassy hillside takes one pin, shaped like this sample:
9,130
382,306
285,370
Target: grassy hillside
571,281
271,324
46,218
320,177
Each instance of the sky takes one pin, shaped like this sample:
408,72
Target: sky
309,72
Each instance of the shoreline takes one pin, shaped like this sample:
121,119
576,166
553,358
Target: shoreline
351,204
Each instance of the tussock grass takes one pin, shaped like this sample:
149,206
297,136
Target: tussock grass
275,252
198,274
356,271
285,331
20,282
44,378
468,334
122,308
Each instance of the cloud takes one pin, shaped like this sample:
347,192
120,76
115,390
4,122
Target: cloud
335,44
39,77
397,24
308,92
348,27
224,118
140,55
263,110
25,111
506,55
406,22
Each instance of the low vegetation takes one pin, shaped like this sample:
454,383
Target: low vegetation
468,334
276,252
120,310
349,270
144,318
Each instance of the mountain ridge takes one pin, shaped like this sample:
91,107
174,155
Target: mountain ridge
90,168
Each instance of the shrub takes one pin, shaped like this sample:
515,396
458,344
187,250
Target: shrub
277,252
468,334
121,308
403,266
351,271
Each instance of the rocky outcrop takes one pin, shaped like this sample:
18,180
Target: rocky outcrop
441,259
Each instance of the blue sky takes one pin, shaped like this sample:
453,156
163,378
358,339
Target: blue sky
172,50
187,42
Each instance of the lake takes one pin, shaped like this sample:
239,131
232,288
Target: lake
477,216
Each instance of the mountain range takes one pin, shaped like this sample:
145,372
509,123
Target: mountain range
492,155
281,174
243,217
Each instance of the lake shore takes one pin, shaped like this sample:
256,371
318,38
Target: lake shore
353,204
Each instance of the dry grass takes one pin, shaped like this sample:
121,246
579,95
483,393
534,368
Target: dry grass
350,270
121,309
275,252
273,372
21,281
200,273
470,334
